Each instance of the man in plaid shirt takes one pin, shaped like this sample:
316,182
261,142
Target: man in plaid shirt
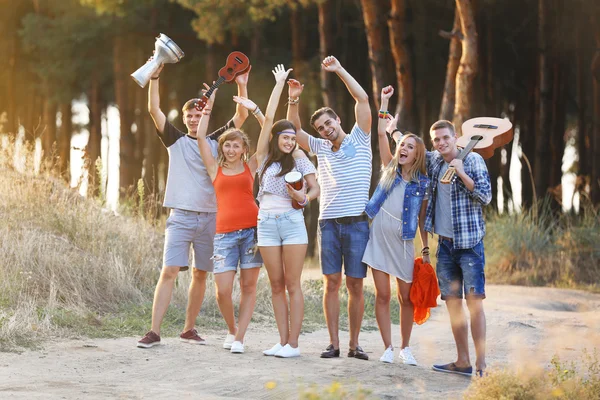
455,214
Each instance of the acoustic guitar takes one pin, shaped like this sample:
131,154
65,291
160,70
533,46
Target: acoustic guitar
482,135
237,63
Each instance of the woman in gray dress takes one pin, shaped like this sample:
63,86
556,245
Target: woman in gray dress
396,208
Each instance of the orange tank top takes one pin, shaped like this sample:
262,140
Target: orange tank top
236,208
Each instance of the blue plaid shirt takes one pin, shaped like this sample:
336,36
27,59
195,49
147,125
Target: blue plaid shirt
468,225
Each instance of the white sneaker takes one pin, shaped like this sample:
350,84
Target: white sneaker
273,350
407,357
388,355
288,351
228,341
237,347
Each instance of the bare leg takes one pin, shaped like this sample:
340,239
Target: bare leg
382,305
294,262
460,331
195,298
406,311
272,256
478,330
224,286
162,296
356,308
248,279
331,306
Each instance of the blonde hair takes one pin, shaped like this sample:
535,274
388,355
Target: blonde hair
388,174
233,134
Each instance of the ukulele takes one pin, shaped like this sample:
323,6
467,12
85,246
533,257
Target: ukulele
237,63
482,135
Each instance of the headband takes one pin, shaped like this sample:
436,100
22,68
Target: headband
290,131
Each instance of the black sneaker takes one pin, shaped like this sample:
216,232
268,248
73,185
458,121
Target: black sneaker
330,352
358,353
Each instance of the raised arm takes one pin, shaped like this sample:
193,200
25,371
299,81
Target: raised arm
384,145
156,113
207,157
262,147
250,106
241,113
362,110
295,89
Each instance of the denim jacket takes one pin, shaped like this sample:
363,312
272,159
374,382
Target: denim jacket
413,198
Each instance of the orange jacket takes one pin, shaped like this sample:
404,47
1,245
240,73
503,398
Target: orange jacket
424,290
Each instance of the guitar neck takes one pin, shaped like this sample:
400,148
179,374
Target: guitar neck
467,149
215,85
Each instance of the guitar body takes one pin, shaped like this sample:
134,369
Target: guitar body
482,135
237,63
495,132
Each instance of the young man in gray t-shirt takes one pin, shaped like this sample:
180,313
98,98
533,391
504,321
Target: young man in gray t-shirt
192,221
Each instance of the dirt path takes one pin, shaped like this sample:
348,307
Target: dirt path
525,325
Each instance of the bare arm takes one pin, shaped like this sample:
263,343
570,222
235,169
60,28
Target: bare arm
205,152
314,190
156,113
423,233
362,109
384,145
262,147
241,113
295,89
250,106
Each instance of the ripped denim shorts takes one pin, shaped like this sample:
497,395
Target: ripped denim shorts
236,248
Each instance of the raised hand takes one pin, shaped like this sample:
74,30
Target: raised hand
243,78
331,64
387,92
280,73
245,102
211,99
392,123
295,88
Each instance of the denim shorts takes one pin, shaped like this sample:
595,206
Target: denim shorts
343,243
276,229
236,248
460,269
185,229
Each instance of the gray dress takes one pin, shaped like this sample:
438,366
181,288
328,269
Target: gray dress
386,251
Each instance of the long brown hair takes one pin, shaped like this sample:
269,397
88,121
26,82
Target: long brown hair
388,175
286,160
232,134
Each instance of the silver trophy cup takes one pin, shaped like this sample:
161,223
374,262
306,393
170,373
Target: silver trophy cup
165,52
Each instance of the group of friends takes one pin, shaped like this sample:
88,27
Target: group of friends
213,209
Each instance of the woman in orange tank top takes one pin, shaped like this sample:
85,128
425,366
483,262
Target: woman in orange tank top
232,173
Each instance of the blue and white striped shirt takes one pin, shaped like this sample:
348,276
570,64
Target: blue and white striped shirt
344,175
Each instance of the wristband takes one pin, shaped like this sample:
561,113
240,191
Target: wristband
383,114
153,79
293,101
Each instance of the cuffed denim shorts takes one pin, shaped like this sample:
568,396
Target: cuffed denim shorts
281,229
185,229
343,244
460,270
236,248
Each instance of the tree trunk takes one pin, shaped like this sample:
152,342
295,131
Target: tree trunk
544,98
449,96
403,66
126,141
49,129
375,32
583,138
94,145
326,47
595,134
64,140
13,58
557,138
468,64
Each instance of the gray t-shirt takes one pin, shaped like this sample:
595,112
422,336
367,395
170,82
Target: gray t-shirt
443,206
188,185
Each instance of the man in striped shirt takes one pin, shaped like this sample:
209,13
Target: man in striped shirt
344,167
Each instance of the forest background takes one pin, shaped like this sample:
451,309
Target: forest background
65,83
